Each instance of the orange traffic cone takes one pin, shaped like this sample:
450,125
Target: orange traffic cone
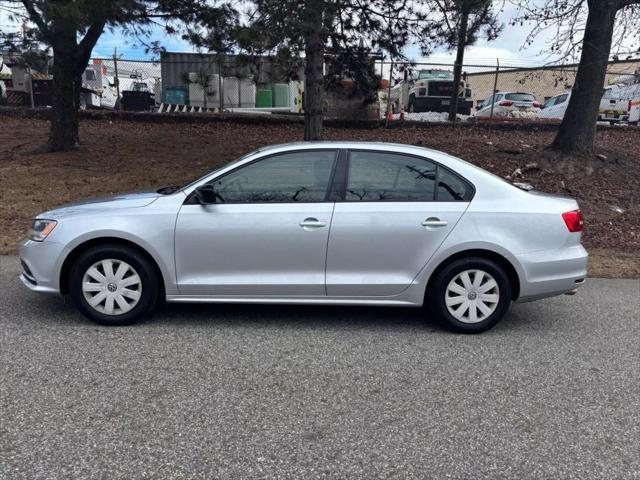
390,114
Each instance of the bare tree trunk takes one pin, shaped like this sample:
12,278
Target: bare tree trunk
578,128
313,70
457,68
64,122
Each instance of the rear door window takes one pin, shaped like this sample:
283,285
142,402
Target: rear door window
389,177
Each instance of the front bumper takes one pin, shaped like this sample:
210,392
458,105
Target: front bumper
41,263
438,104
551,273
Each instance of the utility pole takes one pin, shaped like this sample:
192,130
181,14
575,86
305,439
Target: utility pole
495,90
117,80
386,122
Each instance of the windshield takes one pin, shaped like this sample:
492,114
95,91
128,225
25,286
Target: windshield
520,97
140,87
435,74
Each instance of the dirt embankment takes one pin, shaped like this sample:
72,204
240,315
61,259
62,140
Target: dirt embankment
123,155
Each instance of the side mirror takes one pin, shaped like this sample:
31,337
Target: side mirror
206,194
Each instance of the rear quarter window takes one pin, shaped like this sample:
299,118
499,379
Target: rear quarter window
520,97
452,188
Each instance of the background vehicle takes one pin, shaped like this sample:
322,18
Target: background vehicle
620,103
342,223
555,107
138,97
507,104
430,91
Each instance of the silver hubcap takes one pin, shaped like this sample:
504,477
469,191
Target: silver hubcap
112,287
472,296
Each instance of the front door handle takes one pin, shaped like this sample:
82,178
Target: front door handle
433,222
312,223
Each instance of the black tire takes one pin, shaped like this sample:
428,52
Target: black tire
412,104
149,284
436,296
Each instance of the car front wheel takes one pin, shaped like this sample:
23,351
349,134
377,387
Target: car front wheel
470,295
113,285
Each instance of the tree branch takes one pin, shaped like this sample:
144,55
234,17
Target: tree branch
85,47
36,18
627,3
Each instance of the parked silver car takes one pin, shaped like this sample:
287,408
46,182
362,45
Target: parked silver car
342,223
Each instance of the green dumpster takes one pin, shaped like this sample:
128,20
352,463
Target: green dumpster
264,98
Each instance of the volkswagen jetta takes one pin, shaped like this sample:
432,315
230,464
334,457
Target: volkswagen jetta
341,223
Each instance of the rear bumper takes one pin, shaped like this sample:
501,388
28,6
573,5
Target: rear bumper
551,273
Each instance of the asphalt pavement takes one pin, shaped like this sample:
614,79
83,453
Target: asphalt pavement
235,392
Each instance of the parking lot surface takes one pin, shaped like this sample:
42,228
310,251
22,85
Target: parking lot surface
553,392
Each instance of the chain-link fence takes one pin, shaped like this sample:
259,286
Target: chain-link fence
422,91
204,83
197,83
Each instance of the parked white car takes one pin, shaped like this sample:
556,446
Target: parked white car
509,104
554,108
617,105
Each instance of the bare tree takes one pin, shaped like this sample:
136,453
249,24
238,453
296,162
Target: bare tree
346,31
596,31
71,28
462,23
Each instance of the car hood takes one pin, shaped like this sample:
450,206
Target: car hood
124,200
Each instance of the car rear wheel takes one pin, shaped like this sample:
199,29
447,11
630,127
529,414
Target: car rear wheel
470,295
113,285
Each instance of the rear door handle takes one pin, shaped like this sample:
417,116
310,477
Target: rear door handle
312,223
433,222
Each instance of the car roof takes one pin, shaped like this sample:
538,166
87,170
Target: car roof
341,144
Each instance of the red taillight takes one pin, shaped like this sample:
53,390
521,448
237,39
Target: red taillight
629,109
573,220
505,104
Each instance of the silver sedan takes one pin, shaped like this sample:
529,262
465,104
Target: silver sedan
342,223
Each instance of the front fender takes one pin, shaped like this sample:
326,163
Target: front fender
161,252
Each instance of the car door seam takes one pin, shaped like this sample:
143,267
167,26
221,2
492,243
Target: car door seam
437,249
175,253
326,249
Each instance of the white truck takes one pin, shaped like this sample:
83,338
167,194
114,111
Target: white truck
621,102
430,91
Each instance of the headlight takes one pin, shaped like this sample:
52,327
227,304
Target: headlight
40,229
